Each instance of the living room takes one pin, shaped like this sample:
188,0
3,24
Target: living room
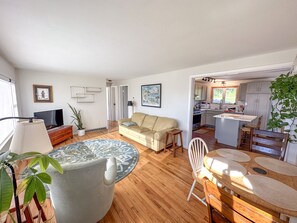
64,45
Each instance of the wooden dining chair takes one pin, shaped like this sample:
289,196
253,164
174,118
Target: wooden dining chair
245,131
196,151
269,143
225,207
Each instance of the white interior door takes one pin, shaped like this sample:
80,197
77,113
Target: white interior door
123,101
113,104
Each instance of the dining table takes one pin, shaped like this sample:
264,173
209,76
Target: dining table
258,178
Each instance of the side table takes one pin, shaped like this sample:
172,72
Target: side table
174,135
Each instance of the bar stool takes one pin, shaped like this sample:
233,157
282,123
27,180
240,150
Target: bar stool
245,131
174,135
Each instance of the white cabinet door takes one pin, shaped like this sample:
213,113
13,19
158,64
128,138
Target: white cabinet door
264,106
251,104
258,104
210,120
258,87
252,88
200,92
242,92
203,119
265,87
204,93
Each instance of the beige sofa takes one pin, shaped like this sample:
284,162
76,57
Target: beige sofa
149,130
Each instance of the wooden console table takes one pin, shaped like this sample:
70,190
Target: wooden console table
60,134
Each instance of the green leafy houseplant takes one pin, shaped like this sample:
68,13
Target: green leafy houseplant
32,184
284,104
76,117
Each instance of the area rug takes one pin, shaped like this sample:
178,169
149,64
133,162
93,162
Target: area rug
202,131
125,154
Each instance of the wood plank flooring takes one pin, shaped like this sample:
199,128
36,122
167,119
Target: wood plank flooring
156,190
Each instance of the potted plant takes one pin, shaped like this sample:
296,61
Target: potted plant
77,120
284,105
32,184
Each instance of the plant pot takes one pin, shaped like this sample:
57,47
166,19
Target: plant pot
81,132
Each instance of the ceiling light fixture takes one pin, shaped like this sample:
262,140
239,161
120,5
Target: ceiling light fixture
209,79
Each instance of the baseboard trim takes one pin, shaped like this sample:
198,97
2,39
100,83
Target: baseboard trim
92,130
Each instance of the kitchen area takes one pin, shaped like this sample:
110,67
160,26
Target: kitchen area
223,106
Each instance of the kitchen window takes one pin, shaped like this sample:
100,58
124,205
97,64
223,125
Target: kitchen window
8,108
224,95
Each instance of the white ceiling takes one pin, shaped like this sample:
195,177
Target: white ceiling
122,39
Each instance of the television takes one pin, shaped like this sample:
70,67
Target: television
52,118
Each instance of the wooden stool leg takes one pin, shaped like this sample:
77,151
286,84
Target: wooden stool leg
173,145
166,141
181,142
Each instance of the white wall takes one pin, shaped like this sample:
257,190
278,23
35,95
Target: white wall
7,69
176,85
93,114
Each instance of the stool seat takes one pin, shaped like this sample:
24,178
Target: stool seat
174,135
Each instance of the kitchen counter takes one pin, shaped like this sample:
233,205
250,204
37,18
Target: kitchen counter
236,117
228,127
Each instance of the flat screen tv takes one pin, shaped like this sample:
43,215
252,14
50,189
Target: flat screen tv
52,118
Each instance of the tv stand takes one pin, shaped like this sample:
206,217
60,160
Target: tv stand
60,134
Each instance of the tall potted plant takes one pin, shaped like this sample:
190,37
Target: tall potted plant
77,120
284,104
32,184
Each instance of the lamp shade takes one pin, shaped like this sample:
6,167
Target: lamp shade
130,103
30,137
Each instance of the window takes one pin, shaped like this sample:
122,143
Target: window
8,108
224,95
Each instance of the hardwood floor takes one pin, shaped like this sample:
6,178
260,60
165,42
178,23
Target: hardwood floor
209,138
156,190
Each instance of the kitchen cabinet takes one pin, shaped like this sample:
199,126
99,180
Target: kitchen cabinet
200,92
258,104
209,119
258,87
203,119
242,91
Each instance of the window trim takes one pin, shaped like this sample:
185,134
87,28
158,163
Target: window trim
224,94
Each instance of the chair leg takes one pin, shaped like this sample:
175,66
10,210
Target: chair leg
191,191
202,200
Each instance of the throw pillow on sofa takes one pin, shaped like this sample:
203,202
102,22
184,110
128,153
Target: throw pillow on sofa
129,124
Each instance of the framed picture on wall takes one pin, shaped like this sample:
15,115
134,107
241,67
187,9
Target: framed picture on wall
151,95
42,93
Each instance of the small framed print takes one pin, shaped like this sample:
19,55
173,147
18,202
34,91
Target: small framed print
42,93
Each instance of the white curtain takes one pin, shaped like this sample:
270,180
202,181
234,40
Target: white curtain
8,108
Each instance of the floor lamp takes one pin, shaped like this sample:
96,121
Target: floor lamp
29,136
130,104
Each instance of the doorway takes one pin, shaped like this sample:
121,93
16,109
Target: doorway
123,101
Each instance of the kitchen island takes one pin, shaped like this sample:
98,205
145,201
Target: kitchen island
228,127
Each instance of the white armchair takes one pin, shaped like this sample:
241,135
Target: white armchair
84,193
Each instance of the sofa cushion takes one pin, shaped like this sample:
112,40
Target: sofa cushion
149,121
147,136
129,123
139,129
138,118
164,123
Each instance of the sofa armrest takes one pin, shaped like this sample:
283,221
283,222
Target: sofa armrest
162,133
111,171
124,120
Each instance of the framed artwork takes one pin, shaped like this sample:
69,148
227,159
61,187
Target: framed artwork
42,93
151,95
